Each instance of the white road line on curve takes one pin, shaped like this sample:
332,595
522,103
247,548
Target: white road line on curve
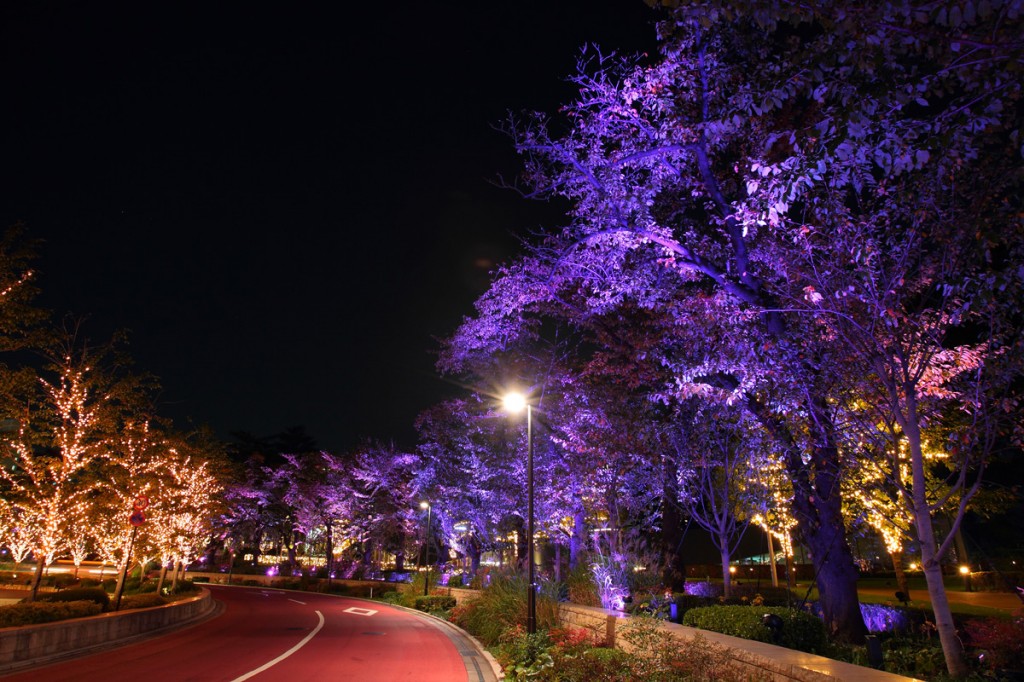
297,601
270,664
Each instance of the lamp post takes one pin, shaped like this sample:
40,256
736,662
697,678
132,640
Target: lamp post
426,549
515,402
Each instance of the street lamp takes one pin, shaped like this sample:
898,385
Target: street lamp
426,549
965,571
514,403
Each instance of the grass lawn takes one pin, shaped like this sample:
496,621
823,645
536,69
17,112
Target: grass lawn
881,590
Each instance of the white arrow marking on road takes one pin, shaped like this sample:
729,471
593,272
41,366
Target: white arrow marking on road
360,612
257,671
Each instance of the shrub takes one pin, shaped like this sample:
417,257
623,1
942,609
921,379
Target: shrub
142,601
913,657
1000,641
394,597
801,631
501,607
60,580
184,587
17,615
657,655
685,602
434,602
97,595
607,665
582,588
524,656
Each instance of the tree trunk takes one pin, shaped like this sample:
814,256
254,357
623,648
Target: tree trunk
674,566
771,559
952,649
790,571
121,576
723,551
37,577
578,539
901,575
836,577
817,505
329,559
163,577
961,547
521,547
367,557
558,562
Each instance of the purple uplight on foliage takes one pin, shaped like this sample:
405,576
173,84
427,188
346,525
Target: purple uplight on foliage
704,589
877,617
882,618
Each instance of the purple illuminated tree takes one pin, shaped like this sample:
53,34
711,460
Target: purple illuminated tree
316,488
770,154
715,459
381,479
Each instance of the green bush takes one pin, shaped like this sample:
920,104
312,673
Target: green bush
501,607
142,601
60,580
184,587
607,665
434,602
393,597
800,631
525,656
17,615
455,580
146,587
582,588
97,595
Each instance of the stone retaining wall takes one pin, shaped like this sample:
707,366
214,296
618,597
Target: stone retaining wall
31,643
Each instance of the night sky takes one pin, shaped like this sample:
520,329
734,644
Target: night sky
284,207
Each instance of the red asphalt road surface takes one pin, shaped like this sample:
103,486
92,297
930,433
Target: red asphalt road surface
259,626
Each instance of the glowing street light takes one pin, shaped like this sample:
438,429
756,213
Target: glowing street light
514,403
965,571
426,549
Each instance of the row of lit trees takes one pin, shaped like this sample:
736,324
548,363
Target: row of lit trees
81,449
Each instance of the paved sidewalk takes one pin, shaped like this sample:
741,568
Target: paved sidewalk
1005,601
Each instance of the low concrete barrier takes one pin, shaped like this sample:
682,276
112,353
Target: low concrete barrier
760,659
31,644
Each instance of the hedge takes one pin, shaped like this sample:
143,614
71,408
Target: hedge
801,631
96,595
17,615
434,602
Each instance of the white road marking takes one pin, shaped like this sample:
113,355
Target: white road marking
270,664
360,612
297,601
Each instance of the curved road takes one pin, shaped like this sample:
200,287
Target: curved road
267,634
